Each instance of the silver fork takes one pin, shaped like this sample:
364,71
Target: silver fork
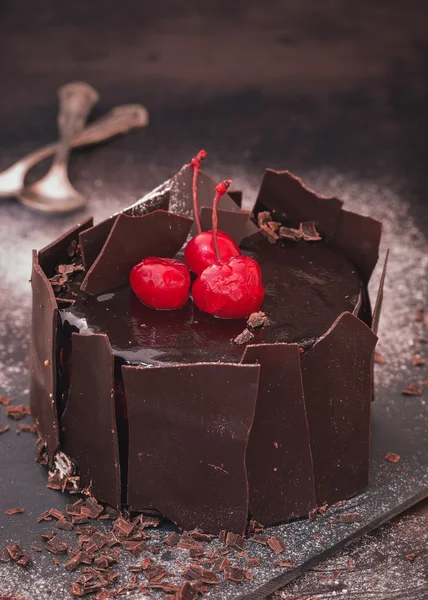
120,119
54,192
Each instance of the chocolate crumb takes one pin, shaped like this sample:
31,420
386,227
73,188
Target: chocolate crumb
253,562
234,574
413,389
4,429
392,457
14,511
350,518
378,358
4,401
276,544
243,337
285,564
172,539
18,412
257,319
56,545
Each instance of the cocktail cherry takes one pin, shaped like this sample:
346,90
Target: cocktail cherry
231,287
200,251
161,283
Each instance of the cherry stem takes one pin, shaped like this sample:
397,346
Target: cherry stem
196,164
220,190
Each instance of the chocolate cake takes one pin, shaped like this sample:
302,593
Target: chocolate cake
209,421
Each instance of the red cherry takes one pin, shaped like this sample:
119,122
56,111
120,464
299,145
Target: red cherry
161,283
200,251
230,289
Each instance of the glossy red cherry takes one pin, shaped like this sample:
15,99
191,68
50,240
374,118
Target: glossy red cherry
161,283
200,251
230,289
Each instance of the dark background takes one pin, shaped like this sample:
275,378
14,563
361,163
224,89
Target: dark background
335,91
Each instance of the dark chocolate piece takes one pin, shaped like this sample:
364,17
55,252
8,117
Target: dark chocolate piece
43,352
379,297
131,239
292,203
232,222
181,199
88,425
337,383
200,416
359,238
279,461
57,253
93,239
236,197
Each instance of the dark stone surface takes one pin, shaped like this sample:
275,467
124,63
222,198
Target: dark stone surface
335,94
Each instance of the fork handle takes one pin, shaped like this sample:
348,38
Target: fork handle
76,100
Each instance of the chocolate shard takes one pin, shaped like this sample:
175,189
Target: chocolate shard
359,238
201,416
57,252
232,222
379,298
43,356
181,199
236,197
338,407
88,424
279,460
92,240
292,203
131,239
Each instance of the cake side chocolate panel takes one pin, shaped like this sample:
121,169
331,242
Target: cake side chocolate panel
284,195
359,238
56,253
232,222
131,239
188,433
93,239
379,297
181,199
88,424
43,358
279,460
337,382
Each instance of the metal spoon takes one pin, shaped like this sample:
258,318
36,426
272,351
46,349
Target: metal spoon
120,119
54,192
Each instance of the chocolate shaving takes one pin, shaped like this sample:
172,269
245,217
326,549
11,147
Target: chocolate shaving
378,358
392,457
413,389
56,545
122,528
285,564
220,565
350,518
257,319
172,539
18,412
155,573
186,592
4,429
260,539
309,231
412,555
36,549
276,544
234,540
418,361
64,524
134,548
28,428
244,337
289,233
222,536
5,401
254,527
234,574
14,511
200,536
253,562
15,551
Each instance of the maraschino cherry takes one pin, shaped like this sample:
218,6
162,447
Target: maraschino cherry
161,283
200,252
230,288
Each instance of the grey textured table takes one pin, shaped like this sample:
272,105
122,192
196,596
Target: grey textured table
336,95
